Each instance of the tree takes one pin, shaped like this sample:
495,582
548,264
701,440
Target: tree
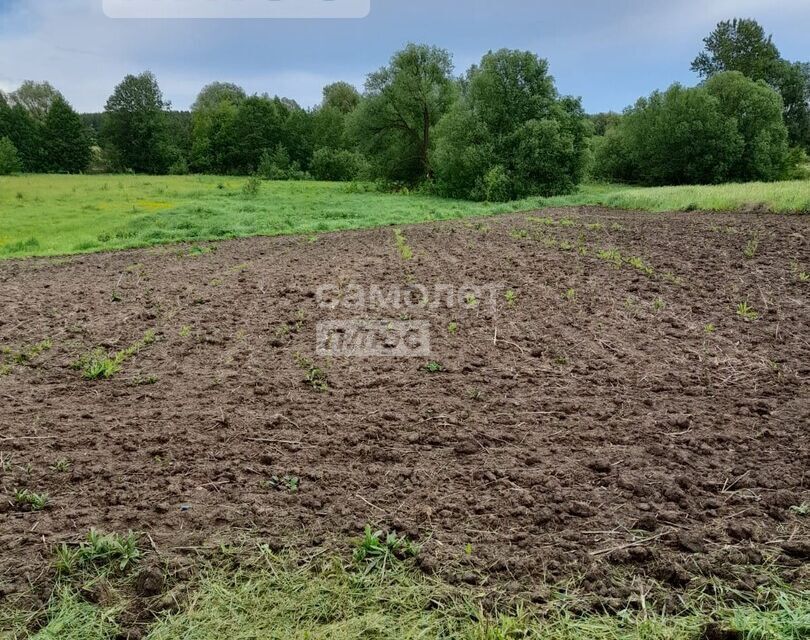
135,124
341,96
212,95
403,103
738,45
741,45
510,135
757,111
9,158
36,98
680,136
67,145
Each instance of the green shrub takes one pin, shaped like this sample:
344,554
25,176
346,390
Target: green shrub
9,158
277,165
339,165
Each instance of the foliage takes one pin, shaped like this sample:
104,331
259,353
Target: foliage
510,135
728,130
337,164
135,124
67,146
341,96
9,158
36,98
403,102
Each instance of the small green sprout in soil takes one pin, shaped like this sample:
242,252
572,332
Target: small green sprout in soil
638,263
470,300
104,553
709,328
314,376
98,364
746,312
434,367
802,509
571,295
519,234
402,245
452,328
613,256
751,247
376,551
185,331
116,297
61,466
511,297
289,483
22,357
26,499
658,304
474,394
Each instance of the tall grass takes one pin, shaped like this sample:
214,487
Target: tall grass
43,215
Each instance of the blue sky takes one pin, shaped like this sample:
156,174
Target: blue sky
609,52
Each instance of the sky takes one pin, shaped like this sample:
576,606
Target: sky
608,52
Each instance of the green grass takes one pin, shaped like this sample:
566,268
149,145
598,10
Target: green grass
283,597
45,215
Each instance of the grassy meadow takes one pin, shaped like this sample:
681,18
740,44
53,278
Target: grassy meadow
45,215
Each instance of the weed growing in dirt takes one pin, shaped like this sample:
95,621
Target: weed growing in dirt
452,328
747,312
98,364
26,499
103,553
434,367
638,263
570,295
314,376
802,509
511,297
474,394
375,553
62,465
613,256
405,251
9,358
658,304
185,331
289,483
799,273
751,247
471,301
709,328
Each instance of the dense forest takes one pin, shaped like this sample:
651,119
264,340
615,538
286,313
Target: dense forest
497,132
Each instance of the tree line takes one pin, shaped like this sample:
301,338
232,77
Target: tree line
499,131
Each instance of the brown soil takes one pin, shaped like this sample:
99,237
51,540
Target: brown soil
603,434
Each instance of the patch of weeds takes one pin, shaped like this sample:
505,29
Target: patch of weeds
61,466
116,297
22,357
746,312
671,277
452,328
196,250
519,234
185,331
802,509
751,247
284,483
613,256
5,369
251,187
28,500
434,367
570,295
566,245
511,297
798,273
658,304
98,364
140,380
103,553
474,394
594,226
470,300
375,551
314,376
405,251
709,328
638,263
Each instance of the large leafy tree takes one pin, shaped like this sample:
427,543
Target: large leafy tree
341,96
212,117
742,45
756,109
510,135
135,124
67,144
36,98
24,132
403,103
679,136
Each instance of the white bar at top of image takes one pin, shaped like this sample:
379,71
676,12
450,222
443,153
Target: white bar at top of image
168,9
